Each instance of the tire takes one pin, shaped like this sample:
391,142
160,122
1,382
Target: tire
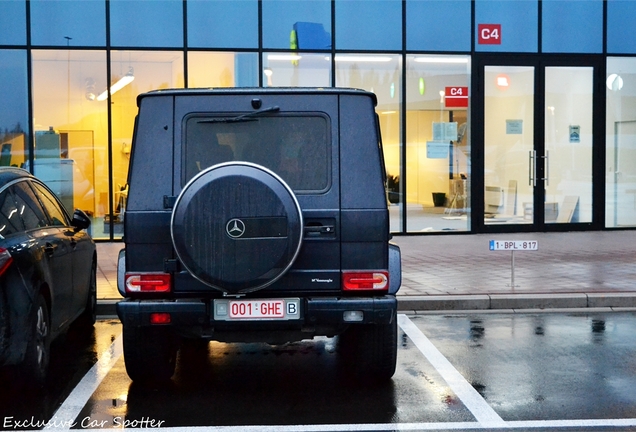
89,316
370,351
150,354
4,327
34,367
237,227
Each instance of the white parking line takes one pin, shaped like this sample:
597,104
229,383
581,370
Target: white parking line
484,414
72,406
575,425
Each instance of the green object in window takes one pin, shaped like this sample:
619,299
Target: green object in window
293,40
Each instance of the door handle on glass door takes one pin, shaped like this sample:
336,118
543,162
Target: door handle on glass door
547,168
532,168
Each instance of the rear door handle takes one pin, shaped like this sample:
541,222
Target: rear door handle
50,248
319,230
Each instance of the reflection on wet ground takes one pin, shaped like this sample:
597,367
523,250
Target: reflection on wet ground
259,384
542,371
72,355
546,365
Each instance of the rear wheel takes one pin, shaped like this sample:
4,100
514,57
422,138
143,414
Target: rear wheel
150,354
35,365
370,351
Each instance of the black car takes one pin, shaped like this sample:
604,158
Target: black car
258,215
48,269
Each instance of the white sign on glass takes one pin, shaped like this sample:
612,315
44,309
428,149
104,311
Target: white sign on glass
444,131
514,127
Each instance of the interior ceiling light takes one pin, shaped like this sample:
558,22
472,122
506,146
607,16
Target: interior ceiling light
90,89
503,81
120,84
438,59
377,59
284,57
614,82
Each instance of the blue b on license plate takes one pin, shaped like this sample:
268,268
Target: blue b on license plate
256,309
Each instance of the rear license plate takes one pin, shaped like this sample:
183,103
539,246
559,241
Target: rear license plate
256,309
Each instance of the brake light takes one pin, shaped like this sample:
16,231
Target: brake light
148,282
377,280
5,260
159,318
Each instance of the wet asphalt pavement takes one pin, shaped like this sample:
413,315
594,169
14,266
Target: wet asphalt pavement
456,371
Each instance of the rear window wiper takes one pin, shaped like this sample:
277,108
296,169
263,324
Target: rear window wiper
243,117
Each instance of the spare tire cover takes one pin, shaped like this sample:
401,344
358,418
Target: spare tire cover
237,227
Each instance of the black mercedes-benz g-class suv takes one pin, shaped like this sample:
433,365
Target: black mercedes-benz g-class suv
257,215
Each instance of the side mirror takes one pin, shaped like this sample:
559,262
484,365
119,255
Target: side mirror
80,220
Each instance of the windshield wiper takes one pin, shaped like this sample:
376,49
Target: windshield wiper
243,117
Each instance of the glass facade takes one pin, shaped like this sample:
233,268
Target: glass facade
222,69
157,23
620,29
132,73
437,143
298,69
517,23
572,27
13,16
381,74
14,119
71,128
620,161
71,71
369,25
509,137
68,23
426,20
212,24
296,24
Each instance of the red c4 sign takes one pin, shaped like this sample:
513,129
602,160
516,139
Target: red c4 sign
456,97
489,34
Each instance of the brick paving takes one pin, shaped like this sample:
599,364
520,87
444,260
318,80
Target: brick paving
571,262
451,268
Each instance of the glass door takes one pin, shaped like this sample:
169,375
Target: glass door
509,145
568,144
622,193
538,146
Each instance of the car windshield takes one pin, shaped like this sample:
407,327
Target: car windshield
294,147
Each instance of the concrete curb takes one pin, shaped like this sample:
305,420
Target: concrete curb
485,302
517,301
106,308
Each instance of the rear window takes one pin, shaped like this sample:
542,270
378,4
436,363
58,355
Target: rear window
297,148
10,221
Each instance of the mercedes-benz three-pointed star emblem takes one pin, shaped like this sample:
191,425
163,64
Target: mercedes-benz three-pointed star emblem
235,228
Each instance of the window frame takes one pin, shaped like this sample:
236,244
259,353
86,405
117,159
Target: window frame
40,190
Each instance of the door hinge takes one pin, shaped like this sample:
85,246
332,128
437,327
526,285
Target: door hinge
170,265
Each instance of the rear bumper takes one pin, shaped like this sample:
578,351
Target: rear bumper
316,312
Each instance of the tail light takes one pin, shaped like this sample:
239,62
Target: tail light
148,283
160,318
5,260
365,281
